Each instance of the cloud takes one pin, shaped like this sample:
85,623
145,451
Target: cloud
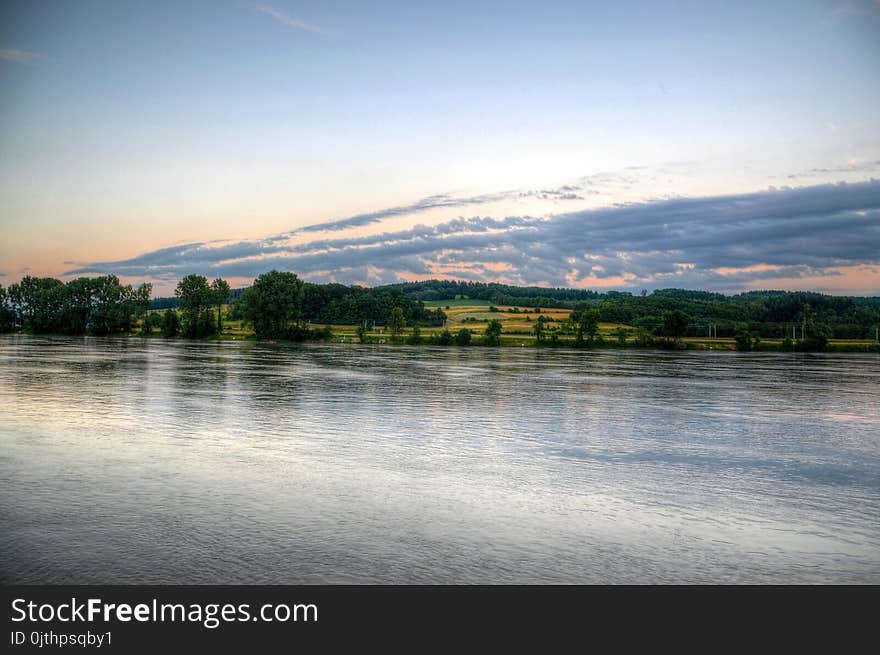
565,192
287,20
439,201
425,204
18,56
853,166
729,242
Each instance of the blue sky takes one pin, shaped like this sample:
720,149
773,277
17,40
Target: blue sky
130,128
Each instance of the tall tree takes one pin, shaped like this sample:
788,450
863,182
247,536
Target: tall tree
538,330
141,299
397,321
272,303
815,334
7,314
42,302
492,335
80,305
675,323
195,300
743,337
220,291
588,324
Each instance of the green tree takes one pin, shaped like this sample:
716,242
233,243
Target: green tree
41,301
7,312
272,303
492,335
587,324
444,338
538,330
170,324
816,335
13,300
675,323
196,301
463,337
396,321
141,300
743,337
220,292
80,309
415,338
99,305
622,334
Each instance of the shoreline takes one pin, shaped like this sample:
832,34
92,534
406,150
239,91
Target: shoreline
506,342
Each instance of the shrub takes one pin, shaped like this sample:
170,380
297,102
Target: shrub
415,338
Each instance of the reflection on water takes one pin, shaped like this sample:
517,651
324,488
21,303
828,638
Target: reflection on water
139,461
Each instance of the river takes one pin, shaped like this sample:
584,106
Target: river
137,460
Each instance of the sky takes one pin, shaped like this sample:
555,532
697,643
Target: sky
603,145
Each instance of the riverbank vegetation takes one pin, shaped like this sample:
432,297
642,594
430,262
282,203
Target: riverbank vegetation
280,306
99,305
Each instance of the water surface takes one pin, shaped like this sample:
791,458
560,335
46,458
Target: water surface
153,461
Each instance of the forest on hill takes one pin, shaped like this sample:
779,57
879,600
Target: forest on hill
768,312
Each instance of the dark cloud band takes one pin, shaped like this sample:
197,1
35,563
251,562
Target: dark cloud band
721,242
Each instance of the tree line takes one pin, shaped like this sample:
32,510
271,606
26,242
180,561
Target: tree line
497,293
281,306
278,305
99,305
335,304
670,333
